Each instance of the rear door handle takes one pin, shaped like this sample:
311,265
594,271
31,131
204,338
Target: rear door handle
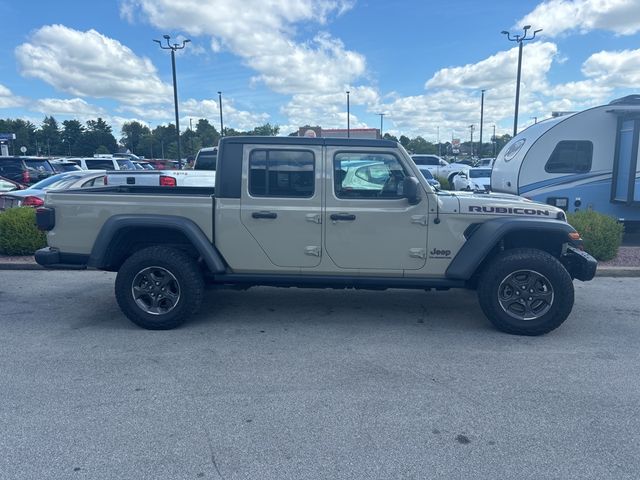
264,215
342,217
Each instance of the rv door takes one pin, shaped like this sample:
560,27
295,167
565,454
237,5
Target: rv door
625,188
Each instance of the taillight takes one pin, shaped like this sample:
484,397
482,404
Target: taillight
26,178
166,181
32,202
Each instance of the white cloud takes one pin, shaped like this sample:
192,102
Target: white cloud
8,99
329,109
89,64
560,16
71,107
614,69
233,118
263,34
499,69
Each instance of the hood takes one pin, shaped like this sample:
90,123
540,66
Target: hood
499,204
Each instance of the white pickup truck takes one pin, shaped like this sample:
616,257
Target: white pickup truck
165,178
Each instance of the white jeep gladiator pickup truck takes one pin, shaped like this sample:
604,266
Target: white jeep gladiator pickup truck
317,212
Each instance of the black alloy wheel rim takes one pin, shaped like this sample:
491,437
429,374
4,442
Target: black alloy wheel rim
155,290
525,295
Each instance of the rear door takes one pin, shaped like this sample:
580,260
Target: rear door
370,225
281,202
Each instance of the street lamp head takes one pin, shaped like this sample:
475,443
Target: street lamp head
158,42
504,32
166,37
526,27
537,31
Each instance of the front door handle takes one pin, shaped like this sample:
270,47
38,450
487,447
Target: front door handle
264,215
342,217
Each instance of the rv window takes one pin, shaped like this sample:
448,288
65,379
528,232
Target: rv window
571,156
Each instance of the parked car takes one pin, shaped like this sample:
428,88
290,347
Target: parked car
25,170
104,163
7,185
142,165
34,195
426,173
438,167
63,165
476,179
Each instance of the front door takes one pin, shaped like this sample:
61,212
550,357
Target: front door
281,203
369,224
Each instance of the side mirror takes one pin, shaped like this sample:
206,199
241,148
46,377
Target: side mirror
412,190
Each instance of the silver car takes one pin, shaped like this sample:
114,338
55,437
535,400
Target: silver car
34,195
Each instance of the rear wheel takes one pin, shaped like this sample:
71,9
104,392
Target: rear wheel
158,288
526,292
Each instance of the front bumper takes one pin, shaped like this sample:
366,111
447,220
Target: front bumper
579,264
50,257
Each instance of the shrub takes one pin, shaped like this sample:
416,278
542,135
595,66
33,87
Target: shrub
602,234
444,182
18,232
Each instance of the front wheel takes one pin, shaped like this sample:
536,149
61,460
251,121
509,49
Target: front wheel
526,292
158,288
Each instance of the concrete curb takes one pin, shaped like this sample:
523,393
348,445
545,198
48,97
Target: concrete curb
601,272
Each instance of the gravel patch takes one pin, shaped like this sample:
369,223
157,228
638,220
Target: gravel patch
627,257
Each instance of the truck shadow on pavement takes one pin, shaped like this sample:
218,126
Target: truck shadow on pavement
454,309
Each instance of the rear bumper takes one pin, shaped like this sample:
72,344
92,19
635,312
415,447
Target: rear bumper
580,264
50,257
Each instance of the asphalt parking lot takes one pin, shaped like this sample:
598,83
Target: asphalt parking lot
304,384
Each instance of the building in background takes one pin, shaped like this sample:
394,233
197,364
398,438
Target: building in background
373,133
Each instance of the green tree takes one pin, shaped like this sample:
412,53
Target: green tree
404,141
98,133
72,132
207,133
50,137
387,136
266,130
132,133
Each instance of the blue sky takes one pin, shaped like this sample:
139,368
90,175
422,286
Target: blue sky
287,62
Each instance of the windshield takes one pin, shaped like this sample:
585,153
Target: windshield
426,174
55,181
482,172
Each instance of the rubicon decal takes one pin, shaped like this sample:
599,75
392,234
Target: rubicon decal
510,210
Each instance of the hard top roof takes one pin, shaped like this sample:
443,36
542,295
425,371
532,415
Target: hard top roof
327,141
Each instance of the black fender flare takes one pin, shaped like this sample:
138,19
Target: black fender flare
101,255
483,237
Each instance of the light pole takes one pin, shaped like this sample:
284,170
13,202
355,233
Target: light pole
381,123
348,115
535,120
494,142
173,47
220,106
519,39
471,128
191,135
481,123
439,149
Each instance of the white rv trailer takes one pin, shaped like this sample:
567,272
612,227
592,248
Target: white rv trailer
584,160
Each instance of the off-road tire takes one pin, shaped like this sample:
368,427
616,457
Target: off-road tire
520,264
182,275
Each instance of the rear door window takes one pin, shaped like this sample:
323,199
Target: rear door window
281,173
